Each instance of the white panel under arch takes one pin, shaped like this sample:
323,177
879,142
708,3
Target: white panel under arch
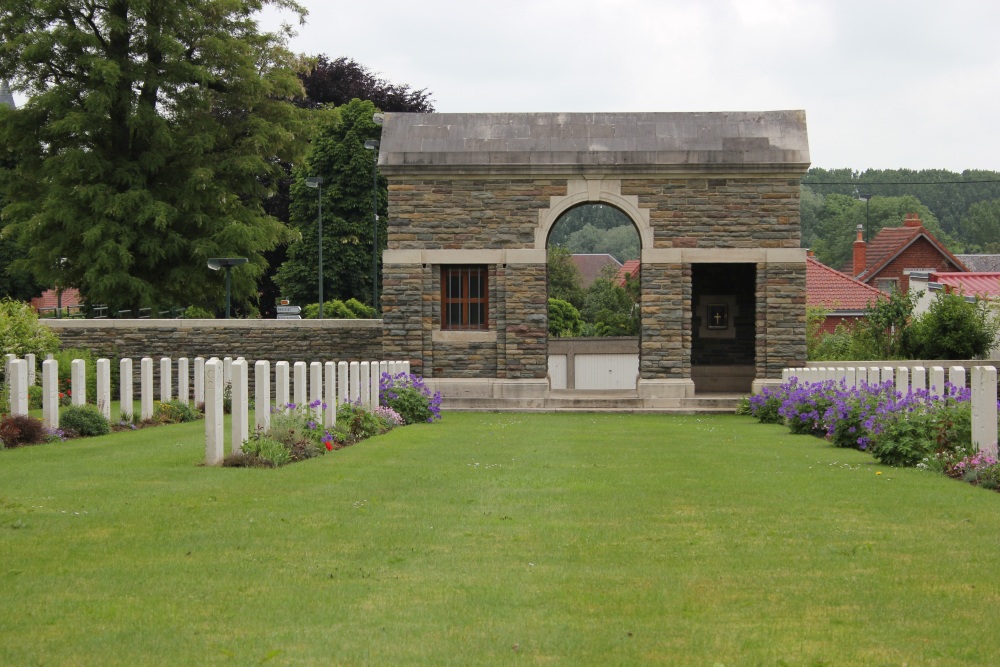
557,371
606,371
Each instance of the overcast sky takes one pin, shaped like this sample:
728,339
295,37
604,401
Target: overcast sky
884,83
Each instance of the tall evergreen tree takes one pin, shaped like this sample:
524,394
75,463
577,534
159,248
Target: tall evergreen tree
144,148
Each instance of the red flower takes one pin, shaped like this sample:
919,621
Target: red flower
329,445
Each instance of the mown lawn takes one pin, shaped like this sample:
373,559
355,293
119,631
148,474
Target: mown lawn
572,539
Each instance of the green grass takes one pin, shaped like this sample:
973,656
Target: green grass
495,539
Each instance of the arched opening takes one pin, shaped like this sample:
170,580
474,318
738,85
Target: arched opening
594,296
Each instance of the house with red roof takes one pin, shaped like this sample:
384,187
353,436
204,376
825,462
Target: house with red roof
631,269
981,284
897,252
591,265
47,304
842,297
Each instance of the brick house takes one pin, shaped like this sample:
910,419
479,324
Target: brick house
629,269
591,265
896,252
714,198
844,298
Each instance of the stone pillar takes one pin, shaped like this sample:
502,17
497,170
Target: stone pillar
103,397
984,409
241,404
199,380
355,393
299,380
183,376
281,395
29,358
316,390
166,382
330,394
403,309
126,404
365,384
17,371
262,395
781,317
665,354
343,380
50,393
146,388
214,433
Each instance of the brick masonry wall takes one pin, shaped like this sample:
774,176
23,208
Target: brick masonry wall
526,316
720,212
467,214
781,318
666,321
406,295
921,255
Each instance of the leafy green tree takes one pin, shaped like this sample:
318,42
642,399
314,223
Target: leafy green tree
564,319
610,309
981,226
838,219
952,328
21,333
622,242
148,140
339,157
564,277
337,82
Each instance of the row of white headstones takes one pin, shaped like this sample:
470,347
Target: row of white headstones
321,385
982,381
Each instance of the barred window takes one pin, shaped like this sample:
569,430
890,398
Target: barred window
464,297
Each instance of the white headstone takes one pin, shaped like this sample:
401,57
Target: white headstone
887,375
851,377
903,380
146,388
18,374
343,383
183,377
330,393
316,390
126,404
355,372
262,395
365,381
984,409
199,380
956,376
78,381
281,396
50,393
374,387
103,397
241,404
214,415
406,367
937,380
919,379
299,370
30,359
227,371
166,382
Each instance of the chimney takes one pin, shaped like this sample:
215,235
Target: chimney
912,220
860,253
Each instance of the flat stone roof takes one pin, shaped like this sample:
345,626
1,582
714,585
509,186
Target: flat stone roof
744,141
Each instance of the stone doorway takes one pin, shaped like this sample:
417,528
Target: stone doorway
723,327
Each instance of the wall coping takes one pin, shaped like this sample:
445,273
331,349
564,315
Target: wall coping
291,325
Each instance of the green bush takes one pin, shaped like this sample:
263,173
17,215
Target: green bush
352,309
909,438
197,313
174,412
564,319
410,397
21,333
85,420
952,328
34,397
360,310
354,423
268,449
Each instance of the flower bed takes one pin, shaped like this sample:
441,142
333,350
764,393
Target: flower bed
916,429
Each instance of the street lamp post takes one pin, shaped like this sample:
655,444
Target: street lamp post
868,199
372,145
227,263
317,182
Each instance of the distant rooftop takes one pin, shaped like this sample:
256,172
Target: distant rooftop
759,141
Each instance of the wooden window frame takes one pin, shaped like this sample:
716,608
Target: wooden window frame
465,273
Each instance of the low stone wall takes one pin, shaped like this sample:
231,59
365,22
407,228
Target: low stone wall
272,340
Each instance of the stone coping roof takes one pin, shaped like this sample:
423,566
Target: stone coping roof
743,141
830,289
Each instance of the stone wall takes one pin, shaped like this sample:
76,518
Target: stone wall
665,349
781,318
761,212
272,340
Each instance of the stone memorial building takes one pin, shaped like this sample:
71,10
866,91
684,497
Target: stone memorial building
714,198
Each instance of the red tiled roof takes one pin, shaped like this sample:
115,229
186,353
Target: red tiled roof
49,298
630,267
590,266
891,241
830,289
986,285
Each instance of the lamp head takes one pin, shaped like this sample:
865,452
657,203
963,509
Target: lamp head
216,263
314,181
371,144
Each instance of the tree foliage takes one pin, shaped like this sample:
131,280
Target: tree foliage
21,333
952,328
339,157
981,227
564,319
337,82
564,277
147,145
596,228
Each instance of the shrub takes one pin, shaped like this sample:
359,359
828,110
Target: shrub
292,429
952,328
21,333
917,427
765,406
410,397
197,313
355,423
34,397
174,412
18,430
268,449
335,309
85,420
564,319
